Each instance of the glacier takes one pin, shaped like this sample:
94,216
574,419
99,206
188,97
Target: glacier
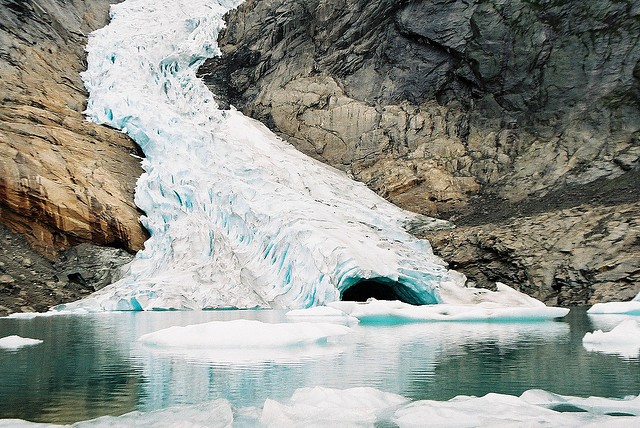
237,217
15,342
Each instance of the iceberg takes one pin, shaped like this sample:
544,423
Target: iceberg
14,342
247,341
366,407
503,305
532,408
623,340
320,406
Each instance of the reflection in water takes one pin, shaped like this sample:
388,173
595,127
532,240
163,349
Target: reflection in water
93,365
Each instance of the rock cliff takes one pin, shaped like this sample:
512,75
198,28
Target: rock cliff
519,120
63,180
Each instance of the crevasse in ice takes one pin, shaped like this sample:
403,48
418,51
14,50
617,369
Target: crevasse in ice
237,217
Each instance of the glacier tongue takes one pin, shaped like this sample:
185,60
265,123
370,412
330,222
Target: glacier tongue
237,217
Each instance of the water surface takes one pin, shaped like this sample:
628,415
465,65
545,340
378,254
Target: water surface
93,365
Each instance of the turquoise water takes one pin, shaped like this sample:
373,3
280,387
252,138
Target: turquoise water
93,365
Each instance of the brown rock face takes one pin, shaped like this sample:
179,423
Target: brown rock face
63,180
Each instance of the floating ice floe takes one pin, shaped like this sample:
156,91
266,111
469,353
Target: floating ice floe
50,313
247,341
532,408
523,309
623,340
326,407
628,308
16,342
366,407
321,314
243,334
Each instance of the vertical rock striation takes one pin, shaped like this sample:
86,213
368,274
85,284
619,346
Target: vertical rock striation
63,180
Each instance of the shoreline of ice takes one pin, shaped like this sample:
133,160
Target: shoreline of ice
366,406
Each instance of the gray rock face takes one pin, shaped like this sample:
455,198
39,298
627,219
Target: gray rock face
481,111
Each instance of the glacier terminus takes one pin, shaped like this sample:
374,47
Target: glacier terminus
238,218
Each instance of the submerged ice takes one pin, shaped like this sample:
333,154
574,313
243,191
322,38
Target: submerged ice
237,217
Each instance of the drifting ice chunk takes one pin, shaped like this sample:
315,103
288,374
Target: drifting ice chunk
210,415
629,308
592,405
532,408
237,217
245,341
16,342
243,334
623,340
330,407
384,312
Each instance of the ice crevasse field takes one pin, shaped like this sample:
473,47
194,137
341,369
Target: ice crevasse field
240,220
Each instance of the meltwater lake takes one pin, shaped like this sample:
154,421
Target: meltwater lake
93,365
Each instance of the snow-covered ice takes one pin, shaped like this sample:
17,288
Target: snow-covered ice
532,408
247,341
321,314
16,342
623,340
366,407
628,308
237,217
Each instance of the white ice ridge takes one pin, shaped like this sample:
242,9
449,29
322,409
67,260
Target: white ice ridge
237,217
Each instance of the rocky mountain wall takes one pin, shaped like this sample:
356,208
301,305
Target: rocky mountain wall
479,111
63,180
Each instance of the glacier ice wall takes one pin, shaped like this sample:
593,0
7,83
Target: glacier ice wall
237,217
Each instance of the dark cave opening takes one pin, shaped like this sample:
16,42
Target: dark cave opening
379,289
